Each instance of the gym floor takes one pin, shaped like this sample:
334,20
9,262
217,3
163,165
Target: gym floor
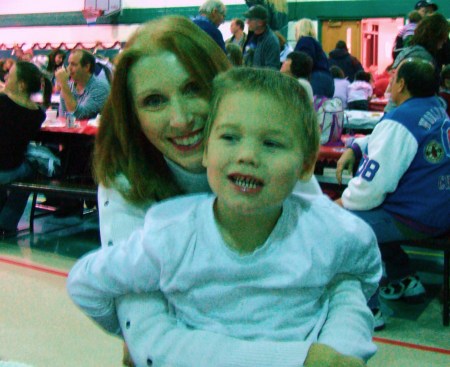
41,327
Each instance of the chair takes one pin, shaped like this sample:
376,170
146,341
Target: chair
441,243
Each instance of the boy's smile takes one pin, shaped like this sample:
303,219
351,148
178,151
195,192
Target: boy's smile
254,156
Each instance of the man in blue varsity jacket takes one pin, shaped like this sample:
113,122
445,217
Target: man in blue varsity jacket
402,186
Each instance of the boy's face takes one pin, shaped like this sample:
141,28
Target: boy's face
253,156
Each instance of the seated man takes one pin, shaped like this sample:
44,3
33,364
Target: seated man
402,187
85,94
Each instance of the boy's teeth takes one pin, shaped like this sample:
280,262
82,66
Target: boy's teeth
189,140
247,183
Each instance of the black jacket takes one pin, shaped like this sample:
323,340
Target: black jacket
348,63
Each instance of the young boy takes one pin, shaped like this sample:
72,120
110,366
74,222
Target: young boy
252,261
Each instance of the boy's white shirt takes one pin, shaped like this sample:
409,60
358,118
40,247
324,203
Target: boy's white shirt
156,333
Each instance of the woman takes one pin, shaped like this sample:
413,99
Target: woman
20,120
150,147
321,80
55,61
429,37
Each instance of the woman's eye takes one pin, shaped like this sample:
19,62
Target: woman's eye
154,101
192,89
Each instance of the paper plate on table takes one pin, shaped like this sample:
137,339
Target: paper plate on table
53,123
95,121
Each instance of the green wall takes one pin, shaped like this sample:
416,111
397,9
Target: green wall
311,9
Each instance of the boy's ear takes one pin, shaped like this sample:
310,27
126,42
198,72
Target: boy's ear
307,170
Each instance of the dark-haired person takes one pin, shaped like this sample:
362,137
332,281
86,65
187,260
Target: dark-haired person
55,62
429,37
340,57
360,91
20,120
402,187
238,35
426,7
299,65
84,94
263,48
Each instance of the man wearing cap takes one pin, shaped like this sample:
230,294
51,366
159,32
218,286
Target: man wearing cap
262,48
211,15
426,7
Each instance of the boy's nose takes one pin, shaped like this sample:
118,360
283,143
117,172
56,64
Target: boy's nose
248,154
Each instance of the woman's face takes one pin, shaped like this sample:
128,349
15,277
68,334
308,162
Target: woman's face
170,107
58,59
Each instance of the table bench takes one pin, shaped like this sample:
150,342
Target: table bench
76,188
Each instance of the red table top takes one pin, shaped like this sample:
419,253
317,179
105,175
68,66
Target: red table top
377,104
59,126
334,152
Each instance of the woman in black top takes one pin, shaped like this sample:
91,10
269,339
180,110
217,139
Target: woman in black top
20,120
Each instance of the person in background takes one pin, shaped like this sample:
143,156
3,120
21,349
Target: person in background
212,14
381,82
426,7
84,94
234,54
5,66
211,253
150,147
56,60
285,47
405,34
321,80
340,57
402,187
299,65
262,48
27,56
20,120
341,85
429,37
444,92
277,10
239,37
360,92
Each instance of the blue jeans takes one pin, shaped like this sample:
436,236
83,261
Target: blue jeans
12,204
396,260
385,228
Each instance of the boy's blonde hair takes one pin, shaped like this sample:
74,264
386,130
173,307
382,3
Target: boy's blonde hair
284,90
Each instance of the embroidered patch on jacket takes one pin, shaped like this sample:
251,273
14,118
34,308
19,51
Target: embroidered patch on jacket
434,152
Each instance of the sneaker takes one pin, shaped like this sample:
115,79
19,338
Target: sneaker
379,323
409,288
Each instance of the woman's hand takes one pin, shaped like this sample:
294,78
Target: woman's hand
347,161
321,355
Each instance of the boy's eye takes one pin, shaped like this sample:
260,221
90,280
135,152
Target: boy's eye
272,144
228,137
192,88
153,101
